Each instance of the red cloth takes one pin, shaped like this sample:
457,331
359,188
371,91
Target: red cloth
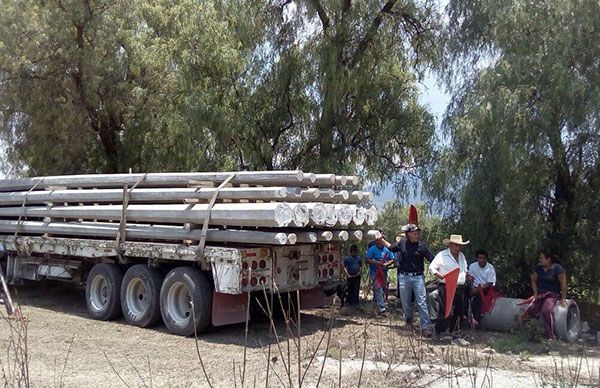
534,304
525,301
488,299
451,279
544,305
380,277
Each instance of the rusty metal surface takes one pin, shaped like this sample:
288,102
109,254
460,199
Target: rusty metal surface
99,249
228,309
235,270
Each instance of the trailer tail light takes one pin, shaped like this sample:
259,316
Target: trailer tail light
257,269
329,262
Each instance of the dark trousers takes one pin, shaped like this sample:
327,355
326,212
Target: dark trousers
353,290
476,303
459,309
476,306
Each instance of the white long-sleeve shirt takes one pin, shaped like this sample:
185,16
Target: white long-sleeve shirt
444,262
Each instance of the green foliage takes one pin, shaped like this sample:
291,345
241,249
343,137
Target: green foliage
93,85
522,166
530,339
66,90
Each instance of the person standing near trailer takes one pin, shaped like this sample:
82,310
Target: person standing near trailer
353,267
413,253
379,259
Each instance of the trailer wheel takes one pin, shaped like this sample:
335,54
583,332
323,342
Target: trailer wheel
140,295
102,291
186,301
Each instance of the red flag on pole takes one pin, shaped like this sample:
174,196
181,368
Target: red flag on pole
451,279
412,215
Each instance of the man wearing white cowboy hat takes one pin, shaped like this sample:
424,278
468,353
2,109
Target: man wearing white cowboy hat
444,262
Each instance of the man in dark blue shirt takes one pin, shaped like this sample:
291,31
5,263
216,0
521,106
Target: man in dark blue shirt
410,274
352,267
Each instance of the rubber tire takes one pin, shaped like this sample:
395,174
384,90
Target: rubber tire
201,294
152,280
113,276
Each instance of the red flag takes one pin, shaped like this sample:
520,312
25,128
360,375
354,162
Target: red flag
379,275
451,279
488,300
412,215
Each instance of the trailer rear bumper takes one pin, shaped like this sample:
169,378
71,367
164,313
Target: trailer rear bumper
228,309
314,297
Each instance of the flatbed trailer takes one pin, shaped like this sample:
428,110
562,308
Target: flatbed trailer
147,282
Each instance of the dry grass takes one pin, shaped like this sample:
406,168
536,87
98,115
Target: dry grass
15,367
371,352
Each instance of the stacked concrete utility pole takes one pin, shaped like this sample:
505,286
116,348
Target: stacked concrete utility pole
249,207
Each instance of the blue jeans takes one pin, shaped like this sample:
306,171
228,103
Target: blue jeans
378,295
407,285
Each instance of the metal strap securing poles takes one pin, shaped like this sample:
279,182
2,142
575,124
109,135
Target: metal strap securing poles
202,242
121,234
23,206
18,247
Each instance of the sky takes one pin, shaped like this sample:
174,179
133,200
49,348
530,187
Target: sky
436,100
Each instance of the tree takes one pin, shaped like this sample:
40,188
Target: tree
522,165
97,86
187,85
66,85
336,88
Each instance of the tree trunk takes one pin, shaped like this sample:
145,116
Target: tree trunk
562,215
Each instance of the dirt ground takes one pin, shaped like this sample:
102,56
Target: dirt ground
65,348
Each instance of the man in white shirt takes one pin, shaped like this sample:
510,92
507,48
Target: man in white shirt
443,263
483,276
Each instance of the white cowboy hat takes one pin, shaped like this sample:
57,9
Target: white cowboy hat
456,239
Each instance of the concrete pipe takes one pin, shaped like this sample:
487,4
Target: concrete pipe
506,313
504,316
567,323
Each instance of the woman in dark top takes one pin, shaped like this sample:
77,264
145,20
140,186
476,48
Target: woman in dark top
549,284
